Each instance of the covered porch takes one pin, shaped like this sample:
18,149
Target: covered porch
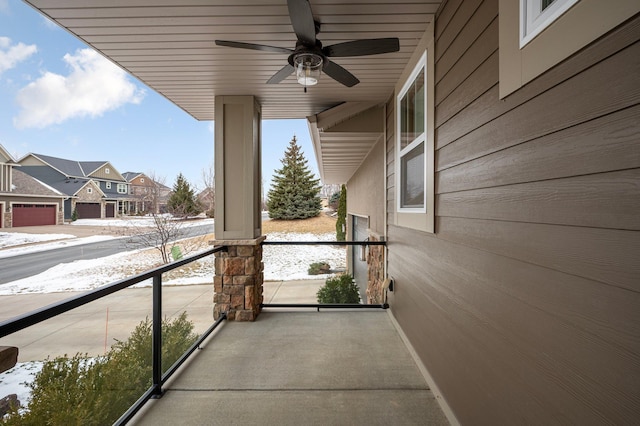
300,367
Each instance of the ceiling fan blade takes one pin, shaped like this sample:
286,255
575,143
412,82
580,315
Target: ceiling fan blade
302,20
373,46
281,75
252,46
340,74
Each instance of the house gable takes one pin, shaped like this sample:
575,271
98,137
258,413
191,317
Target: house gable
102,170
5,157
90,191
6,170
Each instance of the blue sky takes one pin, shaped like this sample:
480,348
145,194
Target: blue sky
59,98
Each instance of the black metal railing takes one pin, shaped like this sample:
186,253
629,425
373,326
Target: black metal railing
158,379
319,306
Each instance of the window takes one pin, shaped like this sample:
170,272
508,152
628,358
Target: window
107,171
107,185
141,180
565,33
411,107
536,15
89,190
122,188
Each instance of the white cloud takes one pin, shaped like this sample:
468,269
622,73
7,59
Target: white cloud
11,54
93,87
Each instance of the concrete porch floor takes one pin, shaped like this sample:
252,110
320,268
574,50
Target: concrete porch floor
303,368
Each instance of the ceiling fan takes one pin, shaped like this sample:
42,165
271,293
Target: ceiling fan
309,57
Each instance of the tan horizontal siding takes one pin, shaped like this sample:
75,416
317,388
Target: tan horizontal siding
567,249
604,200
509,342
523,305
604,144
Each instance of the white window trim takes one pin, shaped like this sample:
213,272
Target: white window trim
108,185
584,23
89,190
420,139
107,171
122,188
533,20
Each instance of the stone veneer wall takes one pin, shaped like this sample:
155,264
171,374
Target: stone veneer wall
375,266
238,280
7,222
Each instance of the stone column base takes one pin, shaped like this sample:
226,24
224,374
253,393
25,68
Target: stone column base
375,264
238,279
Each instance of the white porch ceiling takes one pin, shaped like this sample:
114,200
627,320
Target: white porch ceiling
169,45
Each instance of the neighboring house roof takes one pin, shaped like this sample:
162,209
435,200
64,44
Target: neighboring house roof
69,186
6,157
23,184
66,167
207,192
90,167
129,176
72,168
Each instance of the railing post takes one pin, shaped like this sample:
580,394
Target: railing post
156,336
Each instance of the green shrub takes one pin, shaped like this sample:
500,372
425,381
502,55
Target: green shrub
340,289
74,215
97,391
318,268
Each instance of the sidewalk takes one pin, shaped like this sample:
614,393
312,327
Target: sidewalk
86,329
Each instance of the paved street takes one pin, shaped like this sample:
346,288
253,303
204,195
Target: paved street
26,265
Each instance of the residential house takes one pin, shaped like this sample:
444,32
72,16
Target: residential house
148,196
496,153
24,200
207,199
95,189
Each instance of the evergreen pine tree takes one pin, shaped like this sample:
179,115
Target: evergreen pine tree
295,194
182,201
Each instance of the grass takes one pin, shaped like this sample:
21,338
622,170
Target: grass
320,224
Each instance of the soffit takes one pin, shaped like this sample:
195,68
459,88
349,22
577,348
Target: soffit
169,46
343,137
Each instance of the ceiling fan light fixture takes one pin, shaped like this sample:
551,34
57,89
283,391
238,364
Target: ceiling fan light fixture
308,67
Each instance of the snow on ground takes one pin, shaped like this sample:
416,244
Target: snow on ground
70,240
17,379
135,222
8,239
291,262
15,243
280,263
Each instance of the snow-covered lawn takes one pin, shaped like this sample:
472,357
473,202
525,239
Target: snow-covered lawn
136,222
15,242
280,263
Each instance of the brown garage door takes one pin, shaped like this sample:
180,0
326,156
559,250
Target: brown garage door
88,210
33,214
